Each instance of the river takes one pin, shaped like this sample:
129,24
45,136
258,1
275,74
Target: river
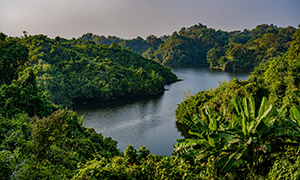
151,121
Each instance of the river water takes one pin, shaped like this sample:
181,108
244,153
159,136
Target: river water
151,121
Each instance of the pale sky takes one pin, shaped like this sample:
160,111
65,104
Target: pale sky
132,18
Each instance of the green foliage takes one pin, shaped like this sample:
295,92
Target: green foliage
138,164
281,75
180,50
49,147
189,46
7,164
13,57
235,132
74,70
213,56
100,39
220,98
286,167
58,143
248,49
37,145
14,137
198,44
15,133
229,51
276,79
60,129
244,141
138,45
23,96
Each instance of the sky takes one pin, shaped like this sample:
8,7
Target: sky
132,18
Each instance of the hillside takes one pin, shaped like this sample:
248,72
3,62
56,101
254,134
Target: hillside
74,71
200,45
277,79
241,130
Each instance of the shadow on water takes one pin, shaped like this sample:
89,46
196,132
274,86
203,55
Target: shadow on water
96,104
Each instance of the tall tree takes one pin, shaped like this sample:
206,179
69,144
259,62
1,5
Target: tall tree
13,56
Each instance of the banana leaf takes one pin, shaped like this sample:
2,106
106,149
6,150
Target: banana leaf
295,114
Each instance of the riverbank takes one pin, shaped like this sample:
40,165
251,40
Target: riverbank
150,120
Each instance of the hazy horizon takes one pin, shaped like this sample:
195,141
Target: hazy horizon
132,18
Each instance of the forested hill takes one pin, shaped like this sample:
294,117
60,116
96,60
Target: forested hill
248,129
198,44
278,79
240,130
73,70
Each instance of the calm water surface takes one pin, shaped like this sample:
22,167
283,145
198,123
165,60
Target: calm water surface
150,122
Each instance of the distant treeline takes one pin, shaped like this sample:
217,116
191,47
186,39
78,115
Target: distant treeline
200,45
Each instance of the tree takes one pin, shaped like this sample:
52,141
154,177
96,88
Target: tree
213,56
246,139
154,41
13,57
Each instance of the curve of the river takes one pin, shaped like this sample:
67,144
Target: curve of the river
148,121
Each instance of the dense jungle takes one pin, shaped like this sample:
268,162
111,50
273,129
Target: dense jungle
243,129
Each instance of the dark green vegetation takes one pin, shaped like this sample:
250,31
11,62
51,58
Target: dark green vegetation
74,70
240,130
200,45
278,79
247,128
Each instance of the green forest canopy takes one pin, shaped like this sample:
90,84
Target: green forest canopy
74,71
200,45
240,130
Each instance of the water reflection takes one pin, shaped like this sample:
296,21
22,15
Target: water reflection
150,121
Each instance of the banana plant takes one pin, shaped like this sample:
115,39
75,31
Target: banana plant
290,125
202,130
295,114
254,133
252,124
209,138
251,132
245,139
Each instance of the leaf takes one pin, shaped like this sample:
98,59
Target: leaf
245,105
262,129
292,124
295,114
233,158
283,131
251,126
266,116
211,141
233,140
221,135
237,107
221,160
249,140
187,121
196,133
212,124
244,125
196,119
263,107
185,145
201,125
282,113
251,109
